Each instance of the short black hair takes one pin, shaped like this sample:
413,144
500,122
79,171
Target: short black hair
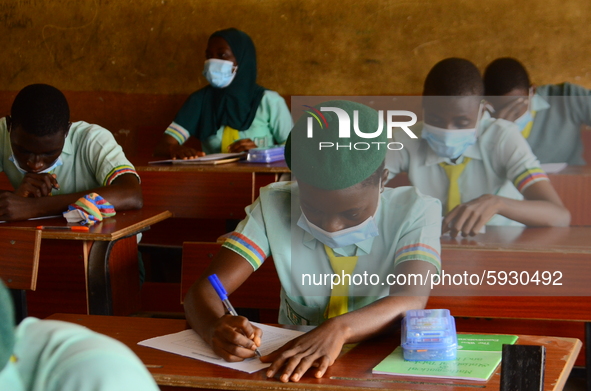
40,110
453,77
503,75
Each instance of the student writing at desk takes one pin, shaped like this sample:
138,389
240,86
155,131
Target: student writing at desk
233,113
481,168
337,217
52,162
549,116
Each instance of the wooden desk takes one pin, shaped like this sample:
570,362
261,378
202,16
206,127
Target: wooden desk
530,249
205,191
92,272
564,251
352,371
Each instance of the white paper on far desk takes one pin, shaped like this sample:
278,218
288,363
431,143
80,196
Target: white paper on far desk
189,344
39,218
206,158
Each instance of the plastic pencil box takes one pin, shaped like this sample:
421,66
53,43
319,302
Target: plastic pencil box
429,335
266,155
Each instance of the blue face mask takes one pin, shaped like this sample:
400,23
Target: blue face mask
219,73
450,143
345,237
58,162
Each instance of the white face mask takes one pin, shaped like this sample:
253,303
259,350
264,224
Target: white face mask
450,143
58,162
345,237
219,73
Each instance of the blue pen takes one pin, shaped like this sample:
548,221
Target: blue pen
221,291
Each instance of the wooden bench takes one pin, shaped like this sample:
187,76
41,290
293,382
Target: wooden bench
19,264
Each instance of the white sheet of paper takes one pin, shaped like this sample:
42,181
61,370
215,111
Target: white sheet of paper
213,156
189,344
552,168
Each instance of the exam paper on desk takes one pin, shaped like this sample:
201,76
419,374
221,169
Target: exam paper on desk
189,344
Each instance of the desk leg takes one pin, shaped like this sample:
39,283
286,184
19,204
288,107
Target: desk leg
588,354
113,277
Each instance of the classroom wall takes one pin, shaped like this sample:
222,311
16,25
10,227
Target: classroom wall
305,46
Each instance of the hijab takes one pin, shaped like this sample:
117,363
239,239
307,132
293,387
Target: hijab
237,104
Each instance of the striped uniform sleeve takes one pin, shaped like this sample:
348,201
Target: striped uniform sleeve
514,155
177,132
249,240
249,250
529,177
421,238
118,171
105,158
418,251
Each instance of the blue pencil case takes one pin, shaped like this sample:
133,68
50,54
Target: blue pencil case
429,335
266,155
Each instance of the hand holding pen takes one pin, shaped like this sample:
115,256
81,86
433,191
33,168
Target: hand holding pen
221,291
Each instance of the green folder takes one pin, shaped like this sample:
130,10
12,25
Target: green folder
477,359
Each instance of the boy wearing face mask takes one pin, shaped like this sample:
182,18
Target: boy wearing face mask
337,217
549,116
480,168
51,162
233,113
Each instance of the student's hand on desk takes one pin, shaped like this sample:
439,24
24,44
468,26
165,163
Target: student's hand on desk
469,218
242,145
14,207
318,348
234,338
37,185
183,152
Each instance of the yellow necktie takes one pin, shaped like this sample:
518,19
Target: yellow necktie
527,130
454,171
228,137
339,297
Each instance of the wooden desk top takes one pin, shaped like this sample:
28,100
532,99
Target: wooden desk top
352,371
574,170
141,165
122,224
562,239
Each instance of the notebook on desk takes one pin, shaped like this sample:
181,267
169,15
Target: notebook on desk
477,359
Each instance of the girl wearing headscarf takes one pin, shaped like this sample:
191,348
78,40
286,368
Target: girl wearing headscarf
233,113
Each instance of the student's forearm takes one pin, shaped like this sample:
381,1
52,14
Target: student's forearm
165,145
121,197
534,213
203,308
376,318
